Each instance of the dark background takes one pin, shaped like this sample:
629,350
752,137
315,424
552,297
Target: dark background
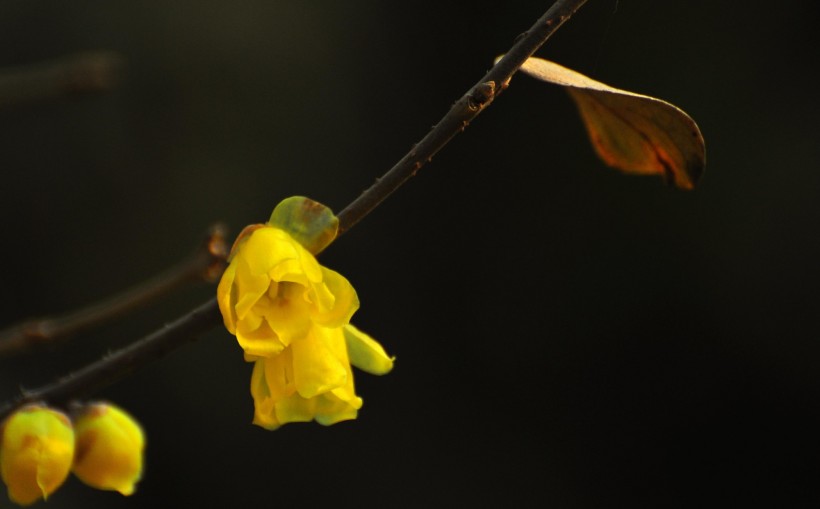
566,336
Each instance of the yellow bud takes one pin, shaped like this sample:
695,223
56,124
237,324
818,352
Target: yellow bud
36,453
109,448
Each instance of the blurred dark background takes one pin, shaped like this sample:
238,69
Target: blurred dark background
566,336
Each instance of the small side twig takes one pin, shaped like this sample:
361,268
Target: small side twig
76,74
205,263
201,319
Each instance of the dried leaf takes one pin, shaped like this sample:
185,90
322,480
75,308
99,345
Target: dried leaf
632,132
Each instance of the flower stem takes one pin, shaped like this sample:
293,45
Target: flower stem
206,263
206,316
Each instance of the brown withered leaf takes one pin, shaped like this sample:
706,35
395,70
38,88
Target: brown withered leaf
632,132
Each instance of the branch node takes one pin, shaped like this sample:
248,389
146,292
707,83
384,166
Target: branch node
481,95
217,249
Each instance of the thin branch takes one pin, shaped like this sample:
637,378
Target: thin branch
198,321
461,113
205,263
76,74
118,365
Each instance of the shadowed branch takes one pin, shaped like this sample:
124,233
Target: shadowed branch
123,362
205,263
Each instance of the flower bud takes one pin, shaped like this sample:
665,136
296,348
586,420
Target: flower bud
36,453
109,448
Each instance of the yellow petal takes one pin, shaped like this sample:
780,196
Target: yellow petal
277,254
249,287
344,304
295,409
279,375
264,414
265,420
320,297
274,395
330,409
366,353
260,342
316,369
266,248
225,298
289,271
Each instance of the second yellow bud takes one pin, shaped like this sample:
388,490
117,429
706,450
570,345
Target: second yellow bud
109,445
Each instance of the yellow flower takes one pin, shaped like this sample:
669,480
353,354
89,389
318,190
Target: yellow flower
274,290
109,445
36,453
291,317
312,379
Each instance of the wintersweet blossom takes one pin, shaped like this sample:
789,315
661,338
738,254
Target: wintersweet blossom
274,291
109,446
309,380
36,453
291,317
312,378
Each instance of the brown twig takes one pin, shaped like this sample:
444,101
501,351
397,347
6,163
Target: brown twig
205,263
76,74
207,315
461,113
119,364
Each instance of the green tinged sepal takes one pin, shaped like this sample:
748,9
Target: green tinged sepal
310,223
366,353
